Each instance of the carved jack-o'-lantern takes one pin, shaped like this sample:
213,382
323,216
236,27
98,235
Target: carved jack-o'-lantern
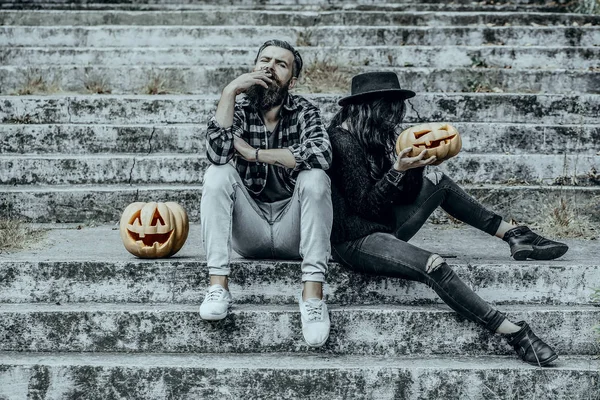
439,139
154,230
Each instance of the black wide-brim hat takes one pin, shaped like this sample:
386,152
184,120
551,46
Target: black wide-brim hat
373,85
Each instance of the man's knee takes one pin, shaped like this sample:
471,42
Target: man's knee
217,176
314,182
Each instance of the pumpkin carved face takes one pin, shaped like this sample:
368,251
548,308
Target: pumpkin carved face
439,139
154,230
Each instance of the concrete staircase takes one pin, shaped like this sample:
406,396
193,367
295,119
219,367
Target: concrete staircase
84,320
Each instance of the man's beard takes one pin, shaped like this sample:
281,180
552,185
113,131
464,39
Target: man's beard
264,99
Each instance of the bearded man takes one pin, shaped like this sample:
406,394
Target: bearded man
267,194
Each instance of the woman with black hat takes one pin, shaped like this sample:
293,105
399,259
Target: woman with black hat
381,200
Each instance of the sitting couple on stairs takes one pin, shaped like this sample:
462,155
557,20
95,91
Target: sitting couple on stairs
267,195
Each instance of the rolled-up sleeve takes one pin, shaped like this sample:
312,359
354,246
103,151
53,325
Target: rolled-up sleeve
314,149
219,141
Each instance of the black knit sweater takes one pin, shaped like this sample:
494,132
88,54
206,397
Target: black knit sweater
362,205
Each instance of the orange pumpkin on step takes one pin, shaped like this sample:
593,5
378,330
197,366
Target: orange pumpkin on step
154,230
437,138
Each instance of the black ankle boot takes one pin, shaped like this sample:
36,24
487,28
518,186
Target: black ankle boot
531,348
526,244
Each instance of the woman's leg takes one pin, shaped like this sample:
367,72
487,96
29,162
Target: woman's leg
439,190
383,254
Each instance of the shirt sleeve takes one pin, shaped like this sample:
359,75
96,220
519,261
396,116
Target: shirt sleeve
364,196
314,149
219,141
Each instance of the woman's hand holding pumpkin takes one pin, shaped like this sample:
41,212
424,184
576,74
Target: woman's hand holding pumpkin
404,162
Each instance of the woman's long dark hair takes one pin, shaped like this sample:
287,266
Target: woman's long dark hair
373,123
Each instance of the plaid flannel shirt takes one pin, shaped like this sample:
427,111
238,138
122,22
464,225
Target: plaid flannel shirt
300,131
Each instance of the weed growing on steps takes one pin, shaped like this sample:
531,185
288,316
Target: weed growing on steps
16,235
34,82
585,6
563,220
98,84
305,38
325,77
159,83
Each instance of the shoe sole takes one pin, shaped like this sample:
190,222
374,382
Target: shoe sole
213,317
524,252
545,362
318,344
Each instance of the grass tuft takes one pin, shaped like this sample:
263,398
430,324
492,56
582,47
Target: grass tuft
160,84
35,83
97,84
325,77
585,6
566,221
16,235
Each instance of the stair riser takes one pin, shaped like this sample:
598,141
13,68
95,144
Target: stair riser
16,36
241,17
106,205
360,331
207,80
385,383
466,168
186,139
436,57
426,107
277,283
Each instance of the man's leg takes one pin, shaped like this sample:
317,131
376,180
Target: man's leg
225,204
303,230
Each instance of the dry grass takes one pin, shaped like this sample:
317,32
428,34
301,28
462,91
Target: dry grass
305,38
563,220
15,235
585,6
97,84
160,84
35,83
325,77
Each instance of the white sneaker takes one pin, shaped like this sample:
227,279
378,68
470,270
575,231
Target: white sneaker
216,303
315,321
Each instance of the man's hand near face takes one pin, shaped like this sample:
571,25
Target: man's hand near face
226,107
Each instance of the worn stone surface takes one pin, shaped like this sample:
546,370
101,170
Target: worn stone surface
211,80
579,58
489,107
373,330
243,16
190,168
189,138
150,377
105,203
155,36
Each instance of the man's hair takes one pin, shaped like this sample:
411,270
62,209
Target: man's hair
297,67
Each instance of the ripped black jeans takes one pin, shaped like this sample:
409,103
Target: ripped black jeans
390,254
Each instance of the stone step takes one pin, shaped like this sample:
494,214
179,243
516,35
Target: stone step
177,36
106,203
239,16
268,2
293,8
62,169
120,278
370,330
531,57
82,139
291,376
168,109
48,79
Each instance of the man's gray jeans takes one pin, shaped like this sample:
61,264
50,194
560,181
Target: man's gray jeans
294,228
